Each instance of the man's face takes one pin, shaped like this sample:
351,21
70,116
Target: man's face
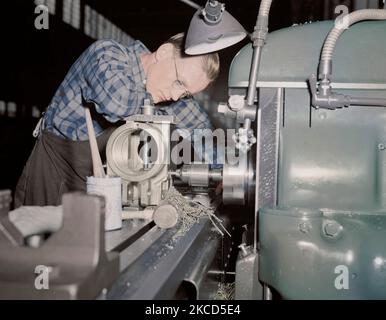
172,77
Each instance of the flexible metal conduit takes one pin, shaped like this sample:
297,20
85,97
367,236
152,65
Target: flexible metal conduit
325,66
265,7
325,98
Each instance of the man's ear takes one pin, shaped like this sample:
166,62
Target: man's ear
164,51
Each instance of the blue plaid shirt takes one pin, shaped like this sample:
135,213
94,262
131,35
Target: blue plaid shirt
110,76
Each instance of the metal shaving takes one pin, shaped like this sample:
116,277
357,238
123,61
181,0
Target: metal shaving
190,212
226,291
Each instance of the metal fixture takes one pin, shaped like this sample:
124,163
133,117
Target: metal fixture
322,95
139,153
211,29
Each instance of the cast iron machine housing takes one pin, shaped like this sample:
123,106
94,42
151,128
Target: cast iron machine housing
320,173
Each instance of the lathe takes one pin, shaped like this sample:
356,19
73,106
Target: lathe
304,203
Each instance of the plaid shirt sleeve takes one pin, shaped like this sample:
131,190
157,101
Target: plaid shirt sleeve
109,84
190,116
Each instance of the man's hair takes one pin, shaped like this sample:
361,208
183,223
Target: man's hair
210,61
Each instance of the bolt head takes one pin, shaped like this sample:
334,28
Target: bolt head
332,229
222,108
305,227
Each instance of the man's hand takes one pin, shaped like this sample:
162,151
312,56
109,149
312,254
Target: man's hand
219,188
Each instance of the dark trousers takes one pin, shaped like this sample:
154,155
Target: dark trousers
56,166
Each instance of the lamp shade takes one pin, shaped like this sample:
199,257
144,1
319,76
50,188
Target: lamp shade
204,38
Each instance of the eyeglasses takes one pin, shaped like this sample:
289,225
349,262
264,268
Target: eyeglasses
178,84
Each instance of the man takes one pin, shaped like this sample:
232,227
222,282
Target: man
114,80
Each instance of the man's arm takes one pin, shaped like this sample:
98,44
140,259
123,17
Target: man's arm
109,83
193,123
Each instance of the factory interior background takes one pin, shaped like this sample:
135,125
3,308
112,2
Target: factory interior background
34,62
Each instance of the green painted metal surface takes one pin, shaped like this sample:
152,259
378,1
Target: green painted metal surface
292,54
332,158
331,168
306,254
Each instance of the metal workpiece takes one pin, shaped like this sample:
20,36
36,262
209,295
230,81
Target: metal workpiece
73,261
335,241
195,175
166,262
145,150
139,152
147,108
215,175
165,216
198,175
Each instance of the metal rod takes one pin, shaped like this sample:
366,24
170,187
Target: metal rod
257,181
215,175
374,102
267,294
247,123
253,75
216,272
192,4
